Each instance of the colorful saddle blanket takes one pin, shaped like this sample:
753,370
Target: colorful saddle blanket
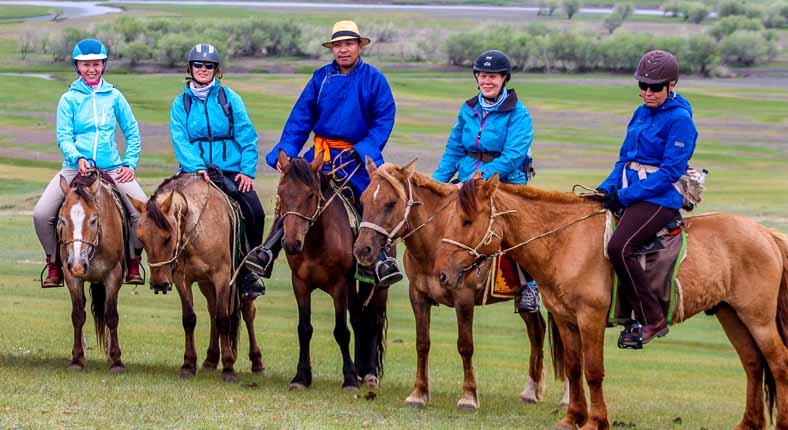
661,258
503,281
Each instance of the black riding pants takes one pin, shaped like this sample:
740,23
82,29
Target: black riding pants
639,224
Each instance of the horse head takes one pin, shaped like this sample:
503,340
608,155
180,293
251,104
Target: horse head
78,223
385,204
161,229
299,198
470,235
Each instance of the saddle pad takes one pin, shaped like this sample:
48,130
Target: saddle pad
662,268
352,214
504,281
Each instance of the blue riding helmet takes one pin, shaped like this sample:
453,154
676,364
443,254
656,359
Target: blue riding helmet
89,49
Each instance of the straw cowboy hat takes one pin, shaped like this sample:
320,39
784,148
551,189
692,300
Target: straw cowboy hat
345,30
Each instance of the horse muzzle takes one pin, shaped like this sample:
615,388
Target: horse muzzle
364,254
78,266
293,247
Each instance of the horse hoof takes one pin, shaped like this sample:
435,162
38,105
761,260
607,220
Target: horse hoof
350,388
260,372
76,366
186,374
467,404
416,403
209,367
117,369
230,377
561,425
296,386
372,382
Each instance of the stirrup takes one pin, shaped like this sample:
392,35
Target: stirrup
632,336
251,286
41,280
140,280
387,272
263,270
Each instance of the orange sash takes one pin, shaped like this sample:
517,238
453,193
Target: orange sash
325,145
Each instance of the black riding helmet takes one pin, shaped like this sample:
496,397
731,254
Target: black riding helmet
204,52
493,61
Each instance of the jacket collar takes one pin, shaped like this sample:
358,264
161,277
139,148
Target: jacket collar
82,87
508,105
358,65
215,87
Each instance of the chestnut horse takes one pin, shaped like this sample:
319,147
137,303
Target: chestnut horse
318,241
734,266
185,229
400,204
90,232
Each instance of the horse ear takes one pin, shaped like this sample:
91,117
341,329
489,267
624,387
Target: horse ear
317,162
64,185
166,203
139,205
370,165
282,160
476,175
408,168
489,186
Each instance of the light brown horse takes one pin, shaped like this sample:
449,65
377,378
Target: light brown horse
733,265
402,203
185,229
90,231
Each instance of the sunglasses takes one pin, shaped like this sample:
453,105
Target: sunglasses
201,64
655,88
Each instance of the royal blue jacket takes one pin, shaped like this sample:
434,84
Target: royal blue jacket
506,130
205,136
86,126
663,137
357,107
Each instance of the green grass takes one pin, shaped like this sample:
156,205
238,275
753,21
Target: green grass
13,12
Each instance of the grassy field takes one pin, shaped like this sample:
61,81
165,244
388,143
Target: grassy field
690,380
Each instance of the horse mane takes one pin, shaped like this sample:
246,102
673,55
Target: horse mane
81,185
302,171
532,193
467,197
393,174
152,207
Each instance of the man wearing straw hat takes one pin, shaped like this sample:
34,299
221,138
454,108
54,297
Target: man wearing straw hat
349,106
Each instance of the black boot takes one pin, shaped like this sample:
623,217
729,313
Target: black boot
262,261
250,285
528,300
387,272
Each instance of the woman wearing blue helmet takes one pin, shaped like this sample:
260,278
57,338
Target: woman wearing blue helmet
87,115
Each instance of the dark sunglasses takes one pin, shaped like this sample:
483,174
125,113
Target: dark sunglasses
201,64
655,88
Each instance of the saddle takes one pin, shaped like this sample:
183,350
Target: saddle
661,258
239,246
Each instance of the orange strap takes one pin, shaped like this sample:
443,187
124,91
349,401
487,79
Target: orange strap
325,145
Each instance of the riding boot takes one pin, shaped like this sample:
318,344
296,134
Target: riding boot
250,285
262,261
528,300
383,274
54,276
133,276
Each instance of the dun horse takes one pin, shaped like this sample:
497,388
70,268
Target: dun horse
185,229
90,231
401,204
318,241
734,266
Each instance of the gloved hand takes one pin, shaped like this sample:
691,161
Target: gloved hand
610,200
354,155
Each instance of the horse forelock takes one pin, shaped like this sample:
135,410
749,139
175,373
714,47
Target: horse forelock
152,207
384,172
302,171
467,198
81,185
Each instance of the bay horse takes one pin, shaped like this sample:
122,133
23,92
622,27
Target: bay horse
185,228
318,241
91,240
401,204
734,266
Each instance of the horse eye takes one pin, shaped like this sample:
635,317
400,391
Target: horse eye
93,220
311,195
391,205
466,222
167,240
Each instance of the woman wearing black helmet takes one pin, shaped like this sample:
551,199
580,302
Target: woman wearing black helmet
659,143
493,134
213,136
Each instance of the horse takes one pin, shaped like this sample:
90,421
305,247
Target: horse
185,228
736,268
401,204
318,241
91,239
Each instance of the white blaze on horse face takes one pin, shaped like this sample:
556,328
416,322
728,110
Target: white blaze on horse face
375,195
77,220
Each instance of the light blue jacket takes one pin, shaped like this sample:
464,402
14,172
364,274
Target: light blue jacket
663,137
86,126
205,136
506,131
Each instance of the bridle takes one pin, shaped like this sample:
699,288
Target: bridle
94,243
182,242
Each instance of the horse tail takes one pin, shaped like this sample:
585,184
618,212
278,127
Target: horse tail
98,297
556,348
382,336
235,318
770,385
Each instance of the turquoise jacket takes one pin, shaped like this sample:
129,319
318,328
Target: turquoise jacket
506,131
86,126
205,136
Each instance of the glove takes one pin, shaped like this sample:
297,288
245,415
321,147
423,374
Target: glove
610,200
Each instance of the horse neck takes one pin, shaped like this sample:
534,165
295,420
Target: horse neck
329,225
205,216
425,241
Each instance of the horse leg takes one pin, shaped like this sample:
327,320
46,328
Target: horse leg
342,335
255,355
113,283
373,320
464,307
212,356
421,311
577,411
224,324
535,327
592,336
303,376
753,363
76,289
189,320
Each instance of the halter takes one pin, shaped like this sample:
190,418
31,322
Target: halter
94,243
391,234
181,245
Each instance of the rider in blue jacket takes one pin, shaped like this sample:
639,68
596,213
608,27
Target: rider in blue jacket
659,143
213,135
87,117
349,107
493,134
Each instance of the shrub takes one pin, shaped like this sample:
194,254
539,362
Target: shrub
697,12
624,10
744,48
731,23
613,21
172,49
571,7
